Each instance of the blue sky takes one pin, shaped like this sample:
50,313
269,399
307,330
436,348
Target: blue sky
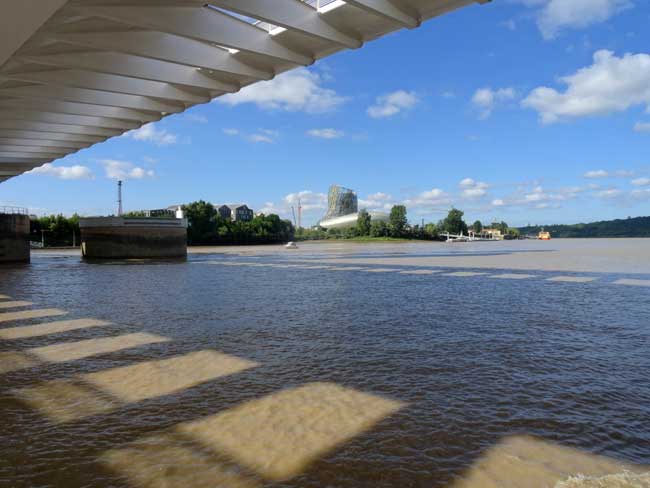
528,111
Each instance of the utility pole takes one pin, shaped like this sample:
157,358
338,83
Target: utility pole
299,214
119,198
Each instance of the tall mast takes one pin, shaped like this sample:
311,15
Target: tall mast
119,198
299,214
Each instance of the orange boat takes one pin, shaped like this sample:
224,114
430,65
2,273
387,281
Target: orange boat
544,236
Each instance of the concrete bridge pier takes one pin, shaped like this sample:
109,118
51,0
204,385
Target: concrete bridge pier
14,235
133,238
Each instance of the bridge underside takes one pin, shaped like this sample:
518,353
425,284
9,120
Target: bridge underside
77,72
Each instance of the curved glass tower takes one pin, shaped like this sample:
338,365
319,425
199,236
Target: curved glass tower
340,201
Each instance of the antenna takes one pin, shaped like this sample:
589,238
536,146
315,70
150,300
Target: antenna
119,198
299,214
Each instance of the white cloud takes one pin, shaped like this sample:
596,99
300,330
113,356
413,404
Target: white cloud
392,104
599,173
377,202
326,133
556,15
429,200
641,182
311,202
299,90
123,170
486,99
643,127
610,84
231,132
150,133
75,172
472,189
497,202
260,138
610,193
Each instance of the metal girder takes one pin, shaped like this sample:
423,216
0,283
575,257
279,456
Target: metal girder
202,24
388,10
13,160
291,14
95,97
55,118
73,108
134,67
50,136
20,19
43,155
26,144
108,82
62,128
65,146
35,149
166,47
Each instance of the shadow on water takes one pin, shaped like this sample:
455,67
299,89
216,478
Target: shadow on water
296,378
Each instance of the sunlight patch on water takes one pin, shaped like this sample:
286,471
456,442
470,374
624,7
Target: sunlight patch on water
15,304
465,274
381,270
631,282
274,437
71,351
101,392
513,276
520,461
49,328
572,279
278,435
31,314
169,460
421,271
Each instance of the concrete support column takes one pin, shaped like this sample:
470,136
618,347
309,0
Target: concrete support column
14,238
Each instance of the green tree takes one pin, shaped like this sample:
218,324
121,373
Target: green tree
477,227
431,231
379,229
398,221
201,220
454,223
363,223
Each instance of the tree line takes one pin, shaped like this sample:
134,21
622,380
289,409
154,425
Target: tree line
206,227
398,227
630,227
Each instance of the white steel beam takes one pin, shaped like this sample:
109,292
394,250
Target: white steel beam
58,128
20,19
73,108
165,47
107,82
202,24
133,66
94,97
293,15
41,155
388,10
65,146
55,118
49,136
60,151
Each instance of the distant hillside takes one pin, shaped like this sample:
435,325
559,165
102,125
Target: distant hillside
630,227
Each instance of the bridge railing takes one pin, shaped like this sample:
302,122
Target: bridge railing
8,210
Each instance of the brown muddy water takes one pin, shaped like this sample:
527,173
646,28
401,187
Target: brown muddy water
339,365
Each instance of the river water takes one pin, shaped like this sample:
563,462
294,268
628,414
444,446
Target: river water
336,366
